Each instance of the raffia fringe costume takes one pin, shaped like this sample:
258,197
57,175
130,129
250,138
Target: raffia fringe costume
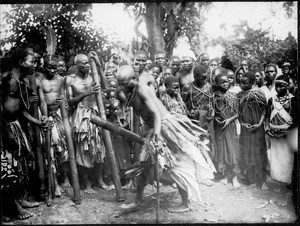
59,150
88,138
184,155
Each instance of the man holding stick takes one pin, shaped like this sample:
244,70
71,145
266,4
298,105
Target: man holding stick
52,88
88,138
176,140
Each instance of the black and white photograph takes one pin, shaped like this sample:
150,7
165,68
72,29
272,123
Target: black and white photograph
149,112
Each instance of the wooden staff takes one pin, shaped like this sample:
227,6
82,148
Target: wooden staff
37,137
50,193
157,185
1,112
107,137
116,129
70,145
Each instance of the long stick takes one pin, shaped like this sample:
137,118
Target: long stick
107,137
37,138
1,111
116,129
157,187
49,167
70,145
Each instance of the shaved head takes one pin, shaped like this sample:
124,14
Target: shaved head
79,58
125,73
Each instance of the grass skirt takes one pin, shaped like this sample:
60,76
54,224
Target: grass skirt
88,138
184,154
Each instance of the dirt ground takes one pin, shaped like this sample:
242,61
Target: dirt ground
220,204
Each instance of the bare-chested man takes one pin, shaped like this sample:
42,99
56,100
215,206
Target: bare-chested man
166,131
88,138
52,87
16,148
185,74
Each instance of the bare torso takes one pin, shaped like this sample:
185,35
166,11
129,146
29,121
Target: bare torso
141,109
81,86
52,89
185,78
13,99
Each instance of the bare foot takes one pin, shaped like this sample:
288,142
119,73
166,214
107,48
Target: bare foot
129,206
26,204
209,183
104,186
224,181
127,186
22,214
264,186
174,185
235,183
5,219
179,209
89,191
58,191
66,184
155,184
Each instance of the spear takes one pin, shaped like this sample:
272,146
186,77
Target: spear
107,137
157,184
70,145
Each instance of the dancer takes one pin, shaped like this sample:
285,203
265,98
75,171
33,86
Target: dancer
176,137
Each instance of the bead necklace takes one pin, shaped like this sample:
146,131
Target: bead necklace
27,105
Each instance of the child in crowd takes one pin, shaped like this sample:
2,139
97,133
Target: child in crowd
234,88
171,98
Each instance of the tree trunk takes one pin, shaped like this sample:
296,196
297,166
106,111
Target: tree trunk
154,29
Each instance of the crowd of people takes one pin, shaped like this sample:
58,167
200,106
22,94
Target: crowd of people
207,123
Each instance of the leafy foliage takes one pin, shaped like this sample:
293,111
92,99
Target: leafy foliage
192,24
177,20
288,8
256,46
71,22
